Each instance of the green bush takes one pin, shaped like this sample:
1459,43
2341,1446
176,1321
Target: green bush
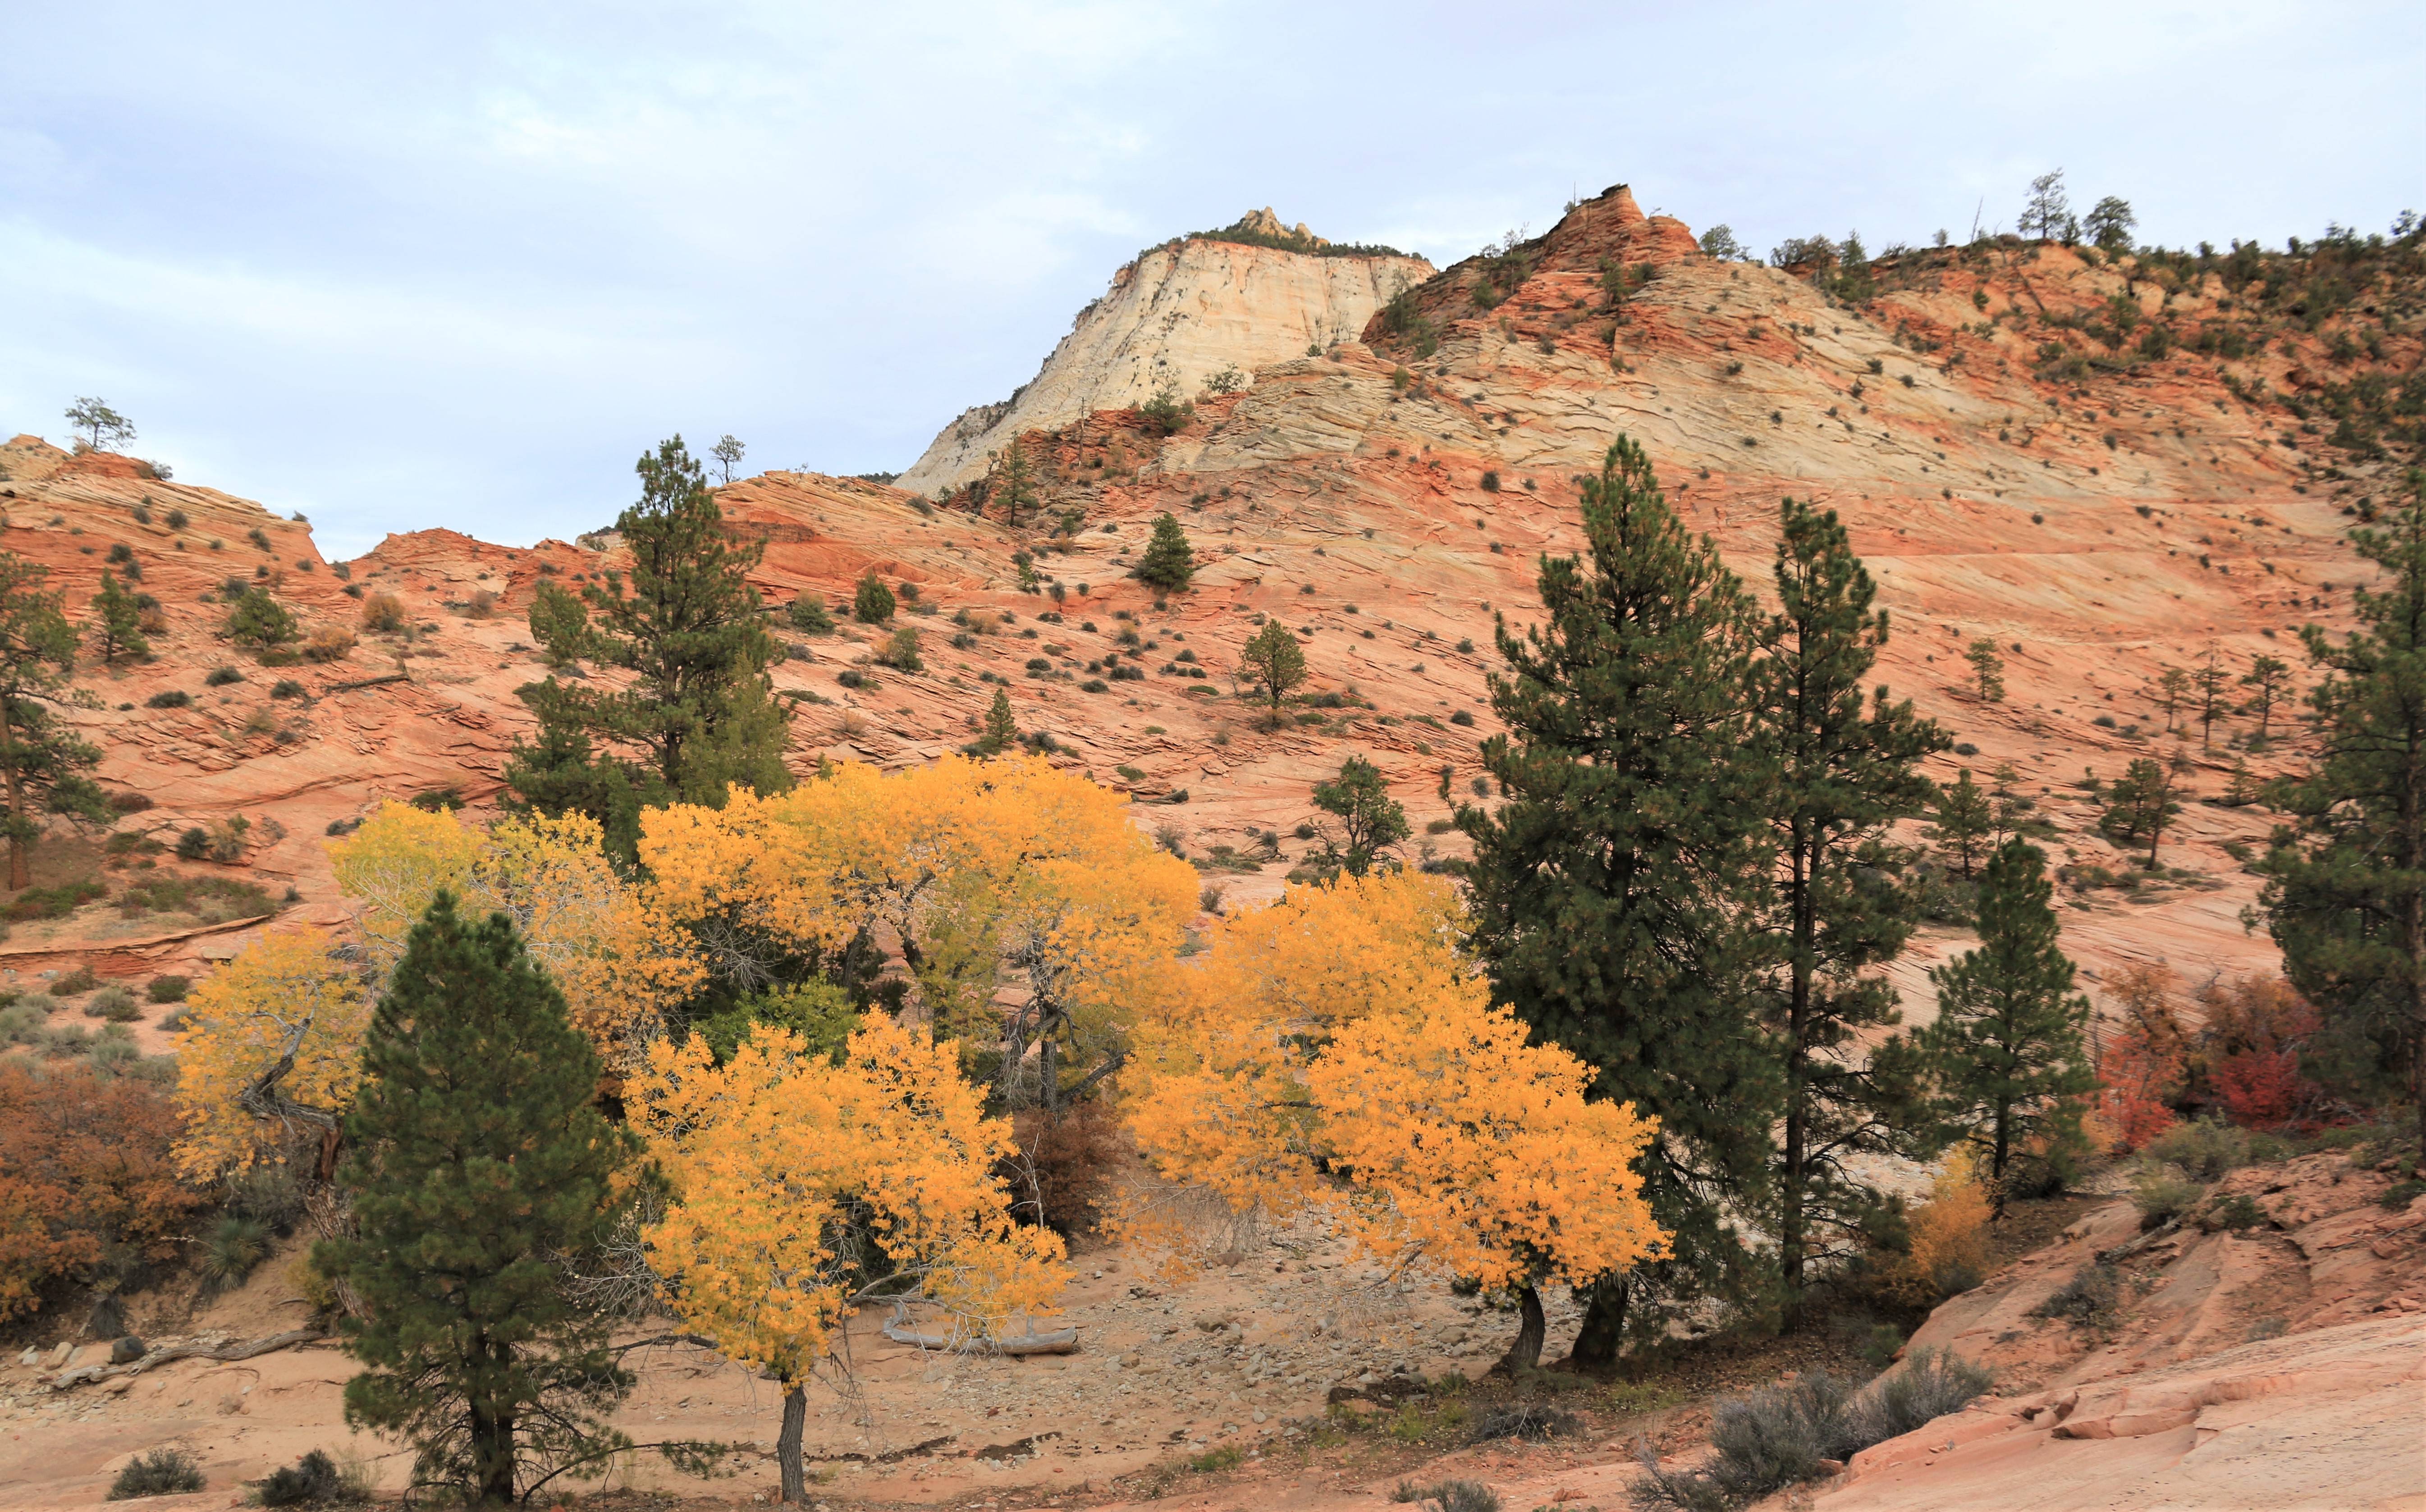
1931,1383
2205,1148
235,1244
2089,1299
872,602
169,699
168,989
163,1471
808,613
314,1480
2162,1194
52,902
75,983
219,677
115,1003
901,651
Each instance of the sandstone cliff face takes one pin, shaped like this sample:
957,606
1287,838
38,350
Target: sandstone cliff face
1177,315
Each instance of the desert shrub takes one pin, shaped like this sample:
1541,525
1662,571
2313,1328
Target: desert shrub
2237,1211
2162,1194
128,803
235,1246
163,1471
315,1480
2089,1299
84,1176
330,643
75,983
1064,1165
1491,481
259,620
901,650
1463,717
383,614
2204,1148
438,799
25,1023
808,613
1525,1420
871,602
169,699
219,677
213,899
1450,1496
52,902
1931,1383
115,1003
168,989
2401,1194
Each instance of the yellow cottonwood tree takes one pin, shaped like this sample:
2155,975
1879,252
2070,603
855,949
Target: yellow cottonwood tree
1341,1030
619,961
798,1182
991,875
273,1042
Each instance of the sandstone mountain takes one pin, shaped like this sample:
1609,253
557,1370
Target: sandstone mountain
1177,317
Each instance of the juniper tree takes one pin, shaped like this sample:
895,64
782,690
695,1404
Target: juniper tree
1274,663
103,426
478,1158
2108,224
2139,807
42,763
1961,821
2006,1054
259,620
1371,821
872,602
1611,887
2345,892
1841,771
1169,561
118,621
698,711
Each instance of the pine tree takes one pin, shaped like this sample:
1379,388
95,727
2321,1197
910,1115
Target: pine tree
2209,680
1169,561
1014,483
2267,675
2346,891
2139,807
871,602
1961,821
259,620
1001,731
1274,663
1842,774
1370,820
117,622
477,1158
699,712
2006,1052
2173,689
1609,887
1987,669
42,762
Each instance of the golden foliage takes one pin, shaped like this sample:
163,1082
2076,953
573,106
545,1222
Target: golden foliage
1341,1027
1004,872
282,990
617,958
1949,1234
784,1164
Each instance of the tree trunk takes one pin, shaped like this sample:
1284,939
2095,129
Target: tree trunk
1791,1216
492,1456
788,1445
1997,1160
1604,1327
1526,1353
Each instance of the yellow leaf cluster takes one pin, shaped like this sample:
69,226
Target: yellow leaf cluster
239,1021
616,955
1004,872
1341,1029
1949,1232
783,1165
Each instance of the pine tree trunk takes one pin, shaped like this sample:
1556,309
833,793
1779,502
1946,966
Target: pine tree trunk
1997,1159
1526,1353
1604,1327
788,1445
492,1455
1792,1217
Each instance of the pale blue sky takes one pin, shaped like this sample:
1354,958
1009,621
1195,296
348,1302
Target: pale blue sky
458,264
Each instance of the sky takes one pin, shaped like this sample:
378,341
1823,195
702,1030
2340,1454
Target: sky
461,263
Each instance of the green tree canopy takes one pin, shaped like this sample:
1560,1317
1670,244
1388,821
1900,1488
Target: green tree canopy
42,763
118,621
1169,561
1371,821
258,621
1273,664
2006,1054
478,1158
1961,821
1611,889
697,712
2139,807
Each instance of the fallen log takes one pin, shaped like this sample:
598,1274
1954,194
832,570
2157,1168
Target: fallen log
243,1349
366,682
1060,1341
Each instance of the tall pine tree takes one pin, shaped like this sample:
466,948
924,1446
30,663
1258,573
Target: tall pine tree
478,1159
1611,888
1169,561
2346,887
698,711
118,621
42,763
1842,770
2006,1054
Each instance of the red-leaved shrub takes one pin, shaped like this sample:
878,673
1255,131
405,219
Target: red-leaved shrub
84,1175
